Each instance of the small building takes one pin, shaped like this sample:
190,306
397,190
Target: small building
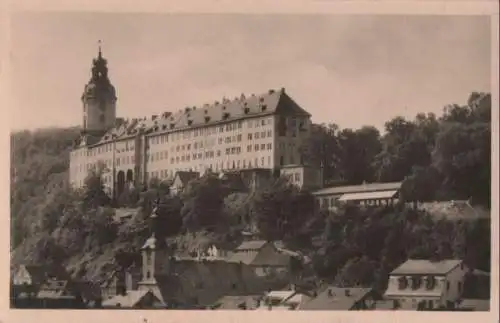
303,176
136,299
264,258
36,275
181,181
427,285
342,299
364,194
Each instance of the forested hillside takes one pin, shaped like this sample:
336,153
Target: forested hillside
438,158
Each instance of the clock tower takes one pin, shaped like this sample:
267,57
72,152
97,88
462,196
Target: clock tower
99,98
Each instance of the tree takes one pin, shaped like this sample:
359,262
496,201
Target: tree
280,210
322,149
420,186
356,153
93,191
204,204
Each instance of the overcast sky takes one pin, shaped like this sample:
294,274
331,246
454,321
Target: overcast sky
350,70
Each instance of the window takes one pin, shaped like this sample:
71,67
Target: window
257,135
256,148
460,287
447,285
403,283
249,136
282,160
249,148
262,146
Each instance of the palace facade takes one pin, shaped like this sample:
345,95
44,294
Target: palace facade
265,131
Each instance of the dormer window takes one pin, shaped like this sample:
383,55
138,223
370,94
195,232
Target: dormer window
207,119
172,126
415,282
223,107
430,282
247,110
190,122
402,282
263,107
206,111
225,116
261,99
155,128
164,127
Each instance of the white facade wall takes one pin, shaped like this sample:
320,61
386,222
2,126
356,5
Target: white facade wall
246,143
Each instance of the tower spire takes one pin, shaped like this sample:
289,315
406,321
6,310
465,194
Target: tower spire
99,42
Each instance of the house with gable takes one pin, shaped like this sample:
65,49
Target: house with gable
264,258
181,180
427,285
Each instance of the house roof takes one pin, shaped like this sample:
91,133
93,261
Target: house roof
277,259
418,266
272,102
242,257
40,273
234,302
251,245
185,177
369,187
338,301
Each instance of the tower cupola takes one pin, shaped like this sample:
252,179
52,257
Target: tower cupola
99,97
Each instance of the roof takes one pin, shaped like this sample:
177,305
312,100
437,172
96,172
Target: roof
130,299
251,245
338,301
276,259
281,294
242,257
185,177
369,187
271,102
414,266
368,195
40,273
235,302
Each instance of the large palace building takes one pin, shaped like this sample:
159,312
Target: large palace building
265,131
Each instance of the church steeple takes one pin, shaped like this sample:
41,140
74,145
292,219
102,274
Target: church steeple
99,97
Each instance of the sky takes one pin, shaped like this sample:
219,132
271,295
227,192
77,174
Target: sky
350,70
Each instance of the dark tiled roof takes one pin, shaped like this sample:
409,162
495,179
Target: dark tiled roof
272,102
242,257
338,301
414,266
371,187
278,259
